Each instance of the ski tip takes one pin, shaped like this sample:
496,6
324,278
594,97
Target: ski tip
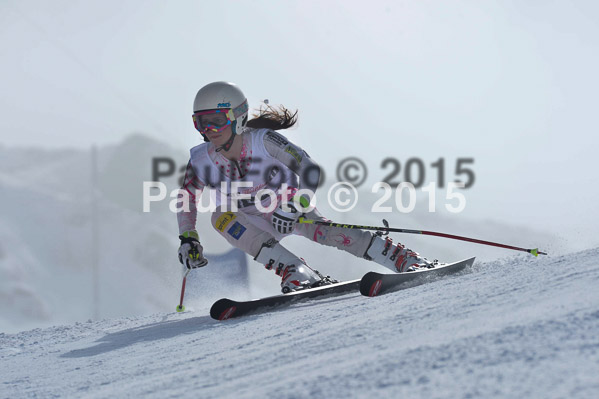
375,288
223,309
180,308
227,313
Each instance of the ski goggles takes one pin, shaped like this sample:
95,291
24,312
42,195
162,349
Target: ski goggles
217,120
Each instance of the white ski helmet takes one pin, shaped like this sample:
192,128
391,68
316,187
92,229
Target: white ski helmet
222,96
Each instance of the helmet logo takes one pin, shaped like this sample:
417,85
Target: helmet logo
223,105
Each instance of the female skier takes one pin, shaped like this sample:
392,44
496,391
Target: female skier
240,150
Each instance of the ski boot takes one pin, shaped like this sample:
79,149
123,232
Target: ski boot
396,257
295,273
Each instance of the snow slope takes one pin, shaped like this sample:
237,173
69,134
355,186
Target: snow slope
516,327
47,241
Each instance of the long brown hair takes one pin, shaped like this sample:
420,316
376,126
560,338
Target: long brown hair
272,118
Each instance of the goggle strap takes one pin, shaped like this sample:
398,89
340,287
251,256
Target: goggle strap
241,109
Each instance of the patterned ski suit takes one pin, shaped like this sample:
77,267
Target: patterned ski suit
267,161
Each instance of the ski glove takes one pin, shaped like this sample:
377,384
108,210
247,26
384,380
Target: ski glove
284,221
191,251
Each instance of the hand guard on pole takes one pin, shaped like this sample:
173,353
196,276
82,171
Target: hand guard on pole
191,251
284,221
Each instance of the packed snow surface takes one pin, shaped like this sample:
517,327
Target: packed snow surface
518,327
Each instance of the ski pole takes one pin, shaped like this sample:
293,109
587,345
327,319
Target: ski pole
180,307
534,251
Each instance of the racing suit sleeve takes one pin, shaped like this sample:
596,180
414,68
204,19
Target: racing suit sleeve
295,158
190,190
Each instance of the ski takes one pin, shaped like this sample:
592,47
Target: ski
373,283
227,308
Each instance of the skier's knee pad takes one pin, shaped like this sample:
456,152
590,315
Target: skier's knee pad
222,221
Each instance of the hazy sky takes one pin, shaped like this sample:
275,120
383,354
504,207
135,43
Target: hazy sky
512,84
